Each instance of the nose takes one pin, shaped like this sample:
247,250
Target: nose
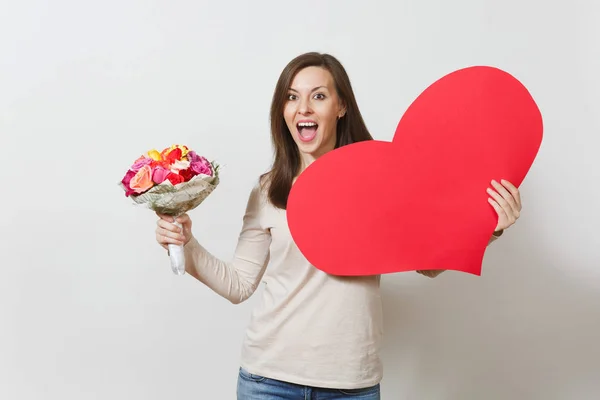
304,107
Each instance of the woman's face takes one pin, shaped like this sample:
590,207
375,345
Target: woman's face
311,112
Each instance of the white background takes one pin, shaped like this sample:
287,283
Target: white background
89,308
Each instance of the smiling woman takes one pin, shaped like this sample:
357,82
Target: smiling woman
314,335
313,111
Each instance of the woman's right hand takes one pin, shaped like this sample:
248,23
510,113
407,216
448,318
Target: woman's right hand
169,233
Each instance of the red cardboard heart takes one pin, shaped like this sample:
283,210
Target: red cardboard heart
420,201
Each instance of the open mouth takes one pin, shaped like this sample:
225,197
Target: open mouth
307,130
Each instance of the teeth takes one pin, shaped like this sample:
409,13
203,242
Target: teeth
307,124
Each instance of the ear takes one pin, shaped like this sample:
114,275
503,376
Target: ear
342,111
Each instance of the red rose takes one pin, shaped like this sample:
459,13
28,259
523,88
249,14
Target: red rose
164,164
187,174
173,155
175,178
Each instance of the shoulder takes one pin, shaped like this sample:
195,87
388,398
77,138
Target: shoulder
264,179
261,186
259,193
257,207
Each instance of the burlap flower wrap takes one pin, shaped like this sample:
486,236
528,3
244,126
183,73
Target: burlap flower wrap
176,200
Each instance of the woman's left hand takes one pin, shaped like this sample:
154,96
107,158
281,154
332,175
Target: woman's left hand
506,200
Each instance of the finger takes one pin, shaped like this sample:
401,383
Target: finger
509,196
514,191
169,229
167,242
183,219
499,210
504,205
174,234
169,226
506,195
166,237
511,193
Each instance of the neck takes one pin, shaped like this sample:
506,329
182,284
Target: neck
306,160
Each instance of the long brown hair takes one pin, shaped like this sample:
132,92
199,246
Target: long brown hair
350,129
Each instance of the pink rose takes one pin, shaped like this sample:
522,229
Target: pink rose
125,181
199,164
160,174
140,162
201,168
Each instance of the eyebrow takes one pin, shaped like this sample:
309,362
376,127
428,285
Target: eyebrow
318,87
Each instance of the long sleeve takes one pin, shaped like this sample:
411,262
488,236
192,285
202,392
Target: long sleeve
237,279
495,237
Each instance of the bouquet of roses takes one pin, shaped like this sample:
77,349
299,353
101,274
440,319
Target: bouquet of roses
171,182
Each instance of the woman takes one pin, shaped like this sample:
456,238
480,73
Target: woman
312,334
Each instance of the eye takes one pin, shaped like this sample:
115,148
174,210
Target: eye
291,96
319,96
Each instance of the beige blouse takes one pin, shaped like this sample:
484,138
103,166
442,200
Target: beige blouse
309,328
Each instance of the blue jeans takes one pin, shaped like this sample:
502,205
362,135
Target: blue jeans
256,387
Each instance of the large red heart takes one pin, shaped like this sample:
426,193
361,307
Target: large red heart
420,201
